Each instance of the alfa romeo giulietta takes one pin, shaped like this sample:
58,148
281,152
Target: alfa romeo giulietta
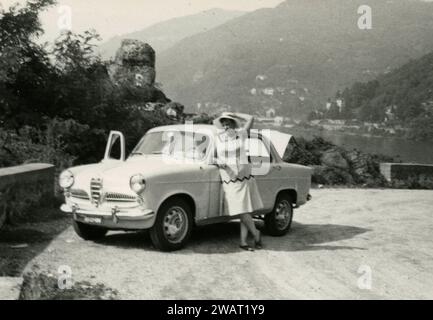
170,184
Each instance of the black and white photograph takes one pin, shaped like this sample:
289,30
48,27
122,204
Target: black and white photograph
216,150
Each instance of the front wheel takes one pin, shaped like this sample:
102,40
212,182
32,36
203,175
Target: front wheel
173,225
88,232
278,222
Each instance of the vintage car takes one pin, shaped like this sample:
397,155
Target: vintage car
170,184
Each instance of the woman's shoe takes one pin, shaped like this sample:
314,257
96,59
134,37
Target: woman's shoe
246,248
258,244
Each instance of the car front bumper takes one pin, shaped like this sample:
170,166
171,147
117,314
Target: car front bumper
115,217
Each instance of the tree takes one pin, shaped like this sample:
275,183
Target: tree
63,94
18,28
23,64
421,127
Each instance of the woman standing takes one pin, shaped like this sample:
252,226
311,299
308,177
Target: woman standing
241,195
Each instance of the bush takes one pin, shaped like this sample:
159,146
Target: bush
350,167
36,145
331,176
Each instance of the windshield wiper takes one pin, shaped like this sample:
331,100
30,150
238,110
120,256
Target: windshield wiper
137,153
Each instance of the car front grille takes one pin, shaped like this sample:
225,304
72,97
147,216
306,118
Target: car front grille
119,197
79,194
95,189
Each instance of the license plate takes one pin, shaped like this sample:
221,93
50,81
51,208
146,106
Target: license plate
92,220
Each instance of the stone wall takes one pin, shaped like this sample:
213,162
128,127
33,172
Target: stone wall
411,175
23,187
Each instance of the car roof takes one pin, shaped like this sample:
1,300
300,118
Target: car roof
201,128
205,129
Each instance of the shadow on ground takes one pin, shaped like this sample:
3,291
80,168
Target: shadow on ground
21,242
128,240
224,238
301,237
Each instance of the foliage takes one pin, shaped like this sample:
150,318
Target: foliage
18,27
406,91
57,103
34,145
421,127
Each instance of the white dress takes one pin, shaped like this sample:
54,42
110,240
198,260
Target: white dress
241,194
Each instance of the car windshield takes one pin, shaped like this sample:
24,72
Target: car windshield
177,144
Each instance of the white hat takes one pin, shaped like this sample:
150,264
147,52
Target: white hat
217,121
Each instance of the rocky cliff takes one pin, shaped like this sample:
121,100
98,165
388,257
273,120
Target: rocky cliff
134,64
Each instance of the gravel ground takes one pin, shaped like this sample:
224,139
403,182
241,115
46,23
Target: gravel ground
339,241
27,238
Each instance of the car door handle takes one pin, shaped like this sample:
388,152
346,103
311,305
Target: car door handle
277,167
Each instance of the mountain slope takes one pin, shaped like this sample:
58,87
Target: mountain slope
294,56
163,35
406,92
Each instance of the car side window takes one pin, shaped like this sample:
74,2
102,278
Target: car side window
189,145
257,151
201,144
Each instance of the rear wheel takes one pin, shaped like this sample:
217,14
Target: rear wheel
278,222
173,225
88,232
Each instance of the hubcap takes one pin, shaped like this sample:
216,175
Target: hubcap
283,214
175,224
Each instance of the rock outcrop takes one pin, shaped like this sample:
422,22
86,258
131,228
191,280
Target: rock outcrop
134,64
133,71
334,165
334,158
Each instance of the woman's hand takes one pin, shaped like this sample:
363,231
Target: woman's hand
249,120
220,164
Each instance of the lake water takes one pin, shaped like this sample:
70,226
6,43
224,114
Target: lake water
400,149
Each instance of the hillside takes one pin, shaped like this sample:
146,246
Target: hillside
164,35
293,57
402,97
408,90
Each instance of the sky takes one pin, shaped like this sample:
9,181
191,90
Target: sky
115,17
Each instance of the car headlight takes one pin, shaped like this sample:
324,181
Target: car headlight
137,183
66,179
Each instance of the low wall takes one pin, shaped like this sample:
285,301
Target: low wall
23,187
408,174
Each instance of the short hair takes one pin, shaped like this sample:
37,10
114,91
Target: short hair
232,122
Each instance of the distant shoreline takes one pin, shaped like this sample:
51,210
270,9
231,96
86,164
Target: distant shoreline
399,148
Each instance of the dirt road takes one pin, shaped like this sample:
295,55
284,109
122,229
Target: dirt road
345,243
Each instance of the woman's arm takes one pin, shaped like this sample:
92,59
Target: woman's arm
249,119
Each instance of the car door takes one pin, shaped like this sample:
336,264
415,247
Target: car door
264,168
115,148
208,174
216,195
